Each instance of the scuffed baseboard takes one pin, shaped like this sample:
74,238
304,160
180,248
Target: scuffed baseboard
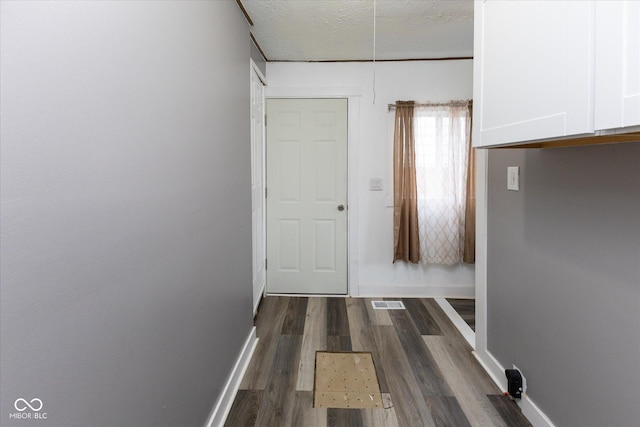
223,405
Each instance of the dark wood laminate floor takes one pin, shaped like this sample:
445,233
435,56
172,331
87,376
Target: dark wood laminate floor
427,374
466,308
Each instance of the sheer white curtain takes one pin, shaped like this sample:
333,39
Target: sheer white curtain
442,148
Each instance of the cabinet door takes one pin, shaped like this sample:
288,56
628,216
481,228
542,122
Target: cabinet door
617,82
533,70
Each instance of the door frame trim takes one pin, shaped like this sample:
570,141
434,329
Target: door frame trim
256,302
255,67
353,96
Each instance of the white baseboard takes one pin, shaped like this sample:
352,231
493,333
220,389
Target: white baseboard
257,302
493,368
533,413
408,291
457,321
223,405
496,371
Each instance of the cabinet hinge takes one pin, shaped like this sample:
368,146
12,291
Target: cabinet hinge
265,264
265,119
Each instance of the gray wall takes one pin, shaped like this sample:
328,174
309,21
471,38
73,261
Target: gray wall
125,233
564,279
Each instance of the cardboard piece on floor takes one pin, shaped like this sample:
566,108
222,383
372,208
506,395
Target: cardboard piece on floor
346,380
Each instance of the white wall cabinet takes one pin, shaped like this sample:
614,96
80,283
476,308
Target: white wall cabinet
553,70
617,84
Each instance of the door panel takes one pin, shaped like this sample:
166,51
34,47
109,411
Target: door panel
307,182
324,236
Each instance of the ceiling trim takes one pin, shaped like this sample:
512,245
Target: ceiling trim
450,58
244,12
255,42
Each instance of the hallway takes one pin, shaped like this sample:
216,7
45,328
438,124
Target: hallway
427,374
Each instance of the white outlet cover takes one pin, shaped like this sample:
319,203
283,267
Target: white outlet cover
388,201
513,178
524,380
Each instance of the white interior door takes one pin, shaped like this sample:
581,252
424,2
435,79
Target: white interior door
257,187
307,196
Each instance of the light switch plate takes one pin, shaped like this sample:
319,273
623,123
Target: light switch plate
375,184
513,178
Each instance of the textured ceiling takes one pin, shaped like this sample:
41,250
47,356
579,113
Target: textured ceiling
321,30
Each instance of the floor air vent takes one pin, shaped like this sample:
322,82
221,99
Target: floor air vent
387,305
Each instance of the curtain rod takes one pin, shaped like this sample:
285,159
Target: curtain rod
437,104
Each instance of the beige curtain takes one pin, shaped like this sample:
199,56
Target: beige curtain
405,204
469,255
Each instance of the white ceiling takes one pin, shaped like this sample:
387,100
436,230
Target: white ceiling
338,30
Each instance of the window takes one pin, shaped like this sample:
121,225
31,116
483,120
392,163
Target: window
441,138
441,135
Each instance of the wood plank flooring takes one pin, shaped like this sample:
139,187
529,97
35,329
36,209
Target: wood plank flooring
427,374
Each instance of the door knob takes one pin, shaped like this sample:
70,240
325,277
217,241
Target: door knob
340,208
